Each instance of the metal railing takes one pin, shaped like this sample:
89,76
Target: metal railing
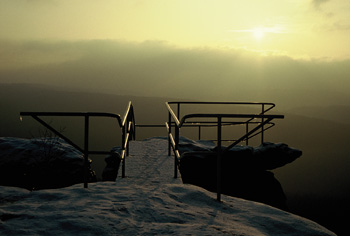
127,125
217,120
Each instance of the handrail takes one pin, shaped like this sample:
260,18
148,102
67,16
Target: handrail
174,120
128,127
171,112
271,106
128,131
208,115
96,114
126,114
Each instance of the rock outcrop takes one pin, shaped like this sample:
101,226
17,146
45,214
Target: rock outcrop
110,172
244,170
41,163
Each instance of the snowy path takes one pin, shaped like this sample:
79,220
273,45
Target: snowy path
148,202
148,163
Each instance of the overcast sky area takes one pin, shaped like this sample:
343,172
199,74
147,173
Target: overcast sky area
207,45
294,53
298,28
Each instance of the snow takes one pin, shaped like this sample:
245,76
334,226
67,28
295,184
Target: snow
149,201
267,156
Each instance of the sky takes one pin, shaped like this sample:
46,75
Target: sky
290,52
197,49
297,28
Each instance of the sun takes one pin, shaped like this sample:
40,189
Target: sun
258,33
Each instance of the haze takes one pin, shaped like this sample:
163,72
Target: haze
294,53
298,28
221,50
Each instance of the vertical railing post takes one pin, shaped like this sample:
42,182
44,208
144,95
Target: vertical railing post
199,132
127,148
218,162
86,150
246,131
128,132
169,144
133,127
177,131
262,121
134,123
123,145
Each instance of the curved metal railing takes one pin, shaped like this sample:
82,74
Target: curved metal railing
217,120
127,125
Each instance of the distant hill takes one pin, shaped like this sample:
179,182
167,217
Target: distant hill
25,97
335,113
319,176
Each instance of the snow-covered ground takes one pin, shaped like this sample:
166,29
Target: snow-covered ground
148,202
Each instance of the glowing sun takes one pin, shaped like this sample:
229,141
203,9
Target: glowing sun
258,33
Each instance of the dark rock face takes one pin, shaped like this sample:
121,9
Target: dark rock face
42,163
244,171
270,156
110,172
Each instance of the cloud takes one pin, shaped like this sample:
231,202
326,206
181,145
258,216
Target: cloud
337,26
155,68
274,30
317,3
16,55
42,2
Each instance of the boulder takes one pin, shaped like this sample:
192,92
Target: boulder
110,172
267,156
243,170
189,145
41,163
270,156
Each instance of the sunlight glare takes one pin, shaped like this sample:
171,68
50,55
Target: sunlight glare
258,33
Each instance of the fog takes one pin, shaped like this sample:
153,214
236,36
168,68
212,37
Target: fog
158,69
104,75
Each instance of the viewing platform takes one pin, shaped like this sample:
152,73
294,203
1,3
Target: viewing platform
148,163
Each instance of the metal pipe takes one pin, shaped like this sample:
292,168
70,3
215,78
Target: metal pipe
177,131
129,115
126,115
262,121
123,148
218,163
215,115
169,132
128,136
247,135
199,132
176,120
223,103
49,127
246,131
86,150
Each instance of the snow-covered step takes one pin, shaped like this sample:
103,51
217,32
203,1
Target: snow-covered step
148,163
148,202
